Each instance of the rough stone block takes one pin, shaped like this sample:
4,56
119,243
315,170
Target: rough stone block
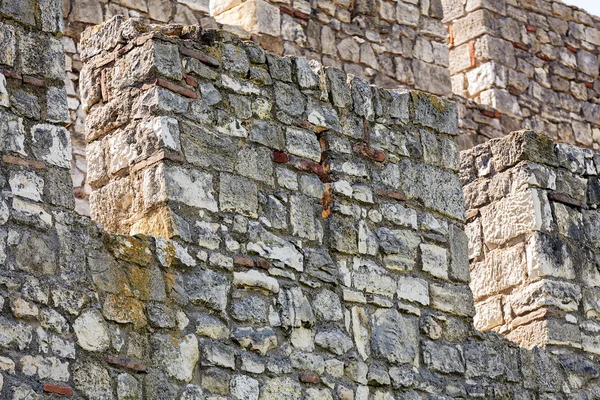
474,24
255,16
238,194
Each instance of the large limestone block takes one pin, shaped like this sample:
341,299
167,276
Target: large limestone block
549,256
432,78
518,213
395,336
502,269
473,25
502,101
177,356
546,293
256,16
489,314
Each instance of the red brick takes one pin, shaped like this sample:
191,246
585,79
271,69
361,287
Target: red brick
191,81
280,157
520,46
397,195
33,81
243,261
174,87
262,263
472,54
491,114
572,49
206,59
390,194
450,36
530,28
371,153
512,90
301,15
309,378
312,127
9,73
56,389
286,10
22,162
543,57
309,166
126,362
589,85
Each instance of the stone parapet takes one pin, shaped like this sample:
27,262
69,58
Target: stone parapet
532,227
392,44
216,103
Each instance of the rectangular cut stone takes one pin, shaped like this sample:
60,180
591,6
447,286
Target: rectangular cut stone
452,299
189,186
502,269
549,256
238,194
522,212
432,78
473,25
563,295
489,314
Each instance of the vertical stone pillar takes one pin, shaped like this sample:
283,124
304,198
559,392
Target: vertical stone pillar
532,226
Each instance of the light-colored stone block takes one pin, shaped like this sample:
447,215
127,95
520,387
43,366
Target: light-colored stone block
256,16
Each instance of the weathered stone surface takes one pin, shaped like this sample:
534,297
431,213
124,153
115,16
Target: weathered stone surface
502,269
336,341
326,305
209,288
281,388
177,356
443,358
91,331
261,340
93,381
394,336
238,195
516,214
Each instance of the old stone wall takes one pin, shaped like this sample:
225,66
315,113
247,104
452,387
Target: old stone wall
390,43
312,240
531,64
533,233
308,230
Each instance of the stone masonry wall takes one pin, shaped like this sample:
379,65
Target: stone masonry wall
533,230
534,63
390,43
325,260
316,248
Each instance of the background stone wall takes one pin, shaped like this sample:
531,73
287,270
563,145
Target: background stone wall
316,271
535,63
